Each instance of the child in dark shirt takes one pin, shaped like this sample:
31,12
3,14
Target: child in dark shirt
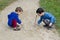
13,18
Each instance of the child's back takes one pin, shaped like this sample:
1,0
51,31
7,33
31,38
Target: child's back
12,16
49,16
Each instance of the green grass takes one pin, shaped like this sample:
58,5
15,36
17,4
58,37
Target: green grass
52,6
4,3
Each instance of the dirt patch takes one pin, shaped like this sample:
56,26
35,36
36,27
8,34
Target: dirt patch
28,31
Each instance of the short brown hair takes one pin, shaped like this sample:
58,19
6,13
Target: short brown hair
19,9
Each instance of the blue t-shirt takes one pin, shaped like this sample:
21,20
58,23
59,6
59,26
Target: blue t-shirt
48,16
12,16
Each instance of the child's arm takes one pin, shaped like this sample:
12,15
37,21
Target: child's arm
40,20
18,20
51,21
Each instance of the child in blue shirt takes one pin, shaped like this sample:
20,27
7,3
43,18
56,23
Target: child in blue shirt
46,17
13,18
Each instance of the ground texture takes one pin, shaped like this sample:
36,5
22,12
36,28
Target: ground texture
28,31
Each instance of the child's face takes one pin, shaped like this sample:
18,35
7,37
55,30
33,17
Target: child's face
19,12
40,14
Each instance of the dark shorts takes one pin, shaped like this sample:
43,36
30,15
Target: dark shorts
47,22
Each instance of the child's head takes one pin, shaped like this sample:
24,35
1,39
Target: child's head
19,10
40,11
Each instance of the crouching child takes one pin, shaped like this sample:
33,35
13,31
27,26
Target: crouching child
13,19
46,17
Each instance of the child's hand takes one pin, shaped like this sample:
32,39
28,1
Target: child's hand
36,24
21,24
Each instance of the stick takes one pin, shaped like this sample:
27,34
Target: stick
35,19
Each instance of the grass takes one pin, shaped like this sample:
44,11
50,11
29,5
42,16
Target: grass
4,3
52,6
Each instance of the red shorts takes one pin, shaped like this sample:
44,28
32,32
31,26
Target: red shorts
14,23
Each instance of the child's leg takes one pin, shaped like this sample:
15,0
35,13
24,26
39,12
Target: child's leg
47,22
14,23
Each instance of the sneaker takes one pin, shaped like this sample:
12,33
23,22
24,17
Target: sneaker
49,27
45,25
16,29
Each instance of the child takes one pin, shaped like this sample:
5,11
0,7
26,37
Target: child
46,17
13,18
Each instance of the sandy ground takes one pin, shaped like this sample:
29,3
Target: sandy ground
28,31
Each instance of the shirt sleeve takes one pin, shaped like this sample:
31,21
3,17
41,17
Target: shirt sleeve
40,20
18,20
51,20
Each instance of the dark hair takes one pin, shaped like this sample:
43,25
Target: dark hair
39,10
19,9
